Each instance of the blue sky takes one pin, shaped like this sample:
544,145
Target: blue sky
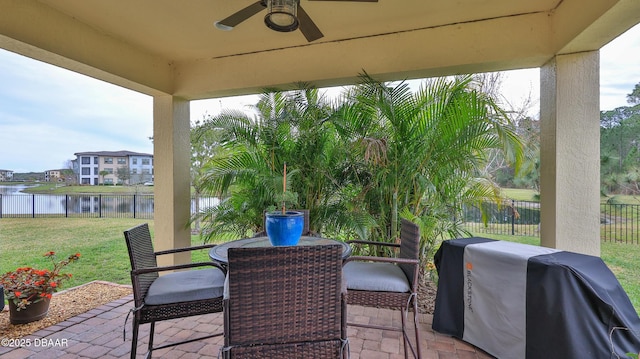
47,113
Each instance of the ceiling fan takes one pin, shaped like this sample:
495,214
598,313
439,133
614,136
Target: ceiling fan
282,15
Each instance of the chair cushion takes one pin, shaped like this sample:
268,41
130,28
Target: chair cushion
379,277
186,286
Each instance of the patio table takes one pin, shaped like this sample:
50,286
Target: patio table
219,252
522,301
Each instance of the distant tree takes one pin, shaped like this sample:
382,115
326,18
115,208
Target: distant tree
634,96
102,174
70,175
620,150
205,142
498,167
123,174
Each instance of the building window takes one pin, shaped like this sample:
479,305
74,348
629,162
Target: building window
86,171
108,181
122,161
108,160
85,160
145,171
109,170
135,161
145,161
86,181
95,160
95,171
134,171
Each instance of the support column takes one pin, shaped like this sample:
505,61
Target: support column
171,149
570,153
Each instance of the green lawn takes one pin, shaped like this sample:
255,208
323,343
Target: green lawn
520,194
100,242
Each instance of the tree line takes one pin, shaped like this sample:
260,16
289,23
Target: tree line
620,147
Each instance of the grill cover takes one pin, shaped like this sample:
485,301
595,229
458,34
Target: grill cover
520,301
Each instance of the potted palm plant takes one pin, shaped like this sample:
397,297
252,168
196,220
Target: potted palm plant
284,227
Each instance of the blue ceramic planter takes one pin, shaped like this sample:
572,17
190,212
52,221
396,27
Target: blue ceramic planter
284,229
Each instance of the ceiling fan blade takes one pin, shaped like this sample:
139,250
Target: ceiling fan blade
307,26
232,21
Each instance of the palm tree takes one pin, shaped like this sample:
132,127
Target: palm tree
381,152
418,155
102,174
247,170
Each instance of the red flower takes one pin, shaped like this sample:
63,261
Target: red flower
27,285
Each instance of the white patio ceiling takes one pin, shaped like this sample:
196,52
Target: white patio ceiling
172,47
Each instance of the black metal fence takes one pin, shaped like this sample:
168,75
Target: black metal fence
84,205
517,218
618,222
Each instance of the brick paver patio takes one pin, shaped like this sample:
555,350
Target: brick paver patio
99,334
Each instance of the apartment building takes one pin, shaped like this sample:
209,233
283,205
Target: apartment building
6,175
113,167
53,176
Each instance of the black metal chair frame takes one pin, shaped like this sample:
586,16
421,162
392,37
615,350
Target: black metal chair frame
143,273
409,260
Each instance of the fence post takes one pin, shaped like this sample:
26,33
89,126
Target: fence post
66,206
513,217
134,205
100,206
33,206
1,211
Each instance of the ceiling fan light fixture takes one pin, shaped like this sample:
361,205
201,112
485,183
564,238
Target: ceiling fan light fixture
282,15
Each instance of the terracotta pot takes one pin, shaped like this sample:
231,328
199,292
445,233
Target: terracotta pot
33,312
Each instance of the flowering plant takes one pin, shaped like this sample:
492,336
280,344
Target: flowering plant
28,285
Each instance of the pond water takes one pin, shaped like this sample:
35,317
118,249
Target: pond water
17,189
14,202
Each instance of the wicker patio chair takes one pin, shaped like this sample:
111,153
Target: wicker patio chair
173,295
285,302
305,230
388,282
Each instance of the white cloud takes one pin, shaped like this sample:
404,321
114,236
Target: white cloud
619,69
48,113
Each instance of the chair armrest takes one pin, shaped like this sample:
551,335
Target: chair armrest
382,259
184,249
178,266
375,243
